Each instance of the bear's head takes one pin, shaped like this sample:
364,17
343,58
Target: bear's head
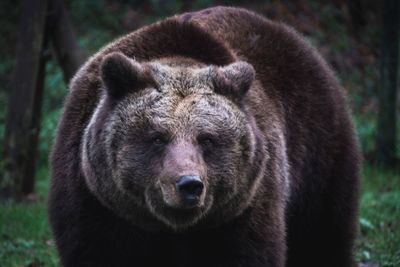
171,143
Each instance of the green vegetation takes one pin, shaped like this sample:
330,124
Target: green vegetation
379,235
25,238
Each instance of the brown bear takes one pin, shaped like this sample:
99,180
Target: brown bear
216,139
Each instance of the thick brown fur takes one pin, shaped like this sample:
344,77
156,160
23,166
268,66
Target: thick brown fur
291,198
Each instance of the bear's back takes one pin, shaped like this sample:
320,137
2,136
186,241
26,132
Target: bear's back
309,99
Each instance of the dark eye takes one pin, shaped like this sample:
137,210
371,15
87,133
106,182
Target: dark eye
206,141
159,140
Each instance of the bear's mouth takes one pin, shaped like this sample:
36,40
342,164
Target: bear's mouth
177,217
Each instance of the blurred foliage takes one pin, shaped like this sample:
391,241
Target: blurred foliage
25,238
353,54
379,237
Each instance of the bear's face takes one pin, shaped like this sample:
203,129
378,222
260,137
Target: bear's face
164,139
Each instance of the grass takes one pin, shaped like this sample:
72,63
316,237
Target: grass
379,237
25,238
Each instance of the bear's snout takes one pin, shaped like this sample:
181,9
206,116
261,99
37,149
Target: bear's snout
185,191
190,188
182,177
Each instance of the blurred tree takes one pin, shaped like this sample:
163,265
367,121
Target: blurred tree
68,53
386,137
357,15
40,22
22,124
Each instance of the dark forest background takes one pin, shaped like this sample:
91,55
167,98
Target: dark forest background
43,42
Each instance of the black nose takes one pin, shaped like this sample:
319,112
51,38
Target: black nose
190,188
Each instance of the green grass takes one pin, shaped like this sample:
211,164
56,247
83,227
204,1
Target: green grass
379,237
25,238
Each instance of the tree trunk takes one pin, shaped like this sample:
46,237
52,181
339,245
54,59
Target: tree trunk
357,16
68,53
386,137
22,124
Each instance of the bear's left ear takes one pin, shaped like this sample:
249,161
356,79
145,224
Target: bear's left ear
234,79
122,75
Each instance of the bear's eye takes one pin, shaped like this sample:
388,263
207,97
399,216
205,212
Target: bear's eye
159,140
206,141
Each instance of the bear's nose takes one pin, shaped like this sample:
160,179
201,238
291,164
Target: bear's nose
190,188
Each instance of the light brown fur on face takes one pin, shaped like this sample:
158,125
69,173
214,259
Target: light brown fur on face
182,109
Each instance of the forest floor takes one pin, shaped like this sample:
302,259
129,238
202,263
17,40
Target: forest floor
25,238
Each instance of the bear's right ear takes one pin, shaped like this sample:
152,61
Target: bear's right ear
233,80
121,75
